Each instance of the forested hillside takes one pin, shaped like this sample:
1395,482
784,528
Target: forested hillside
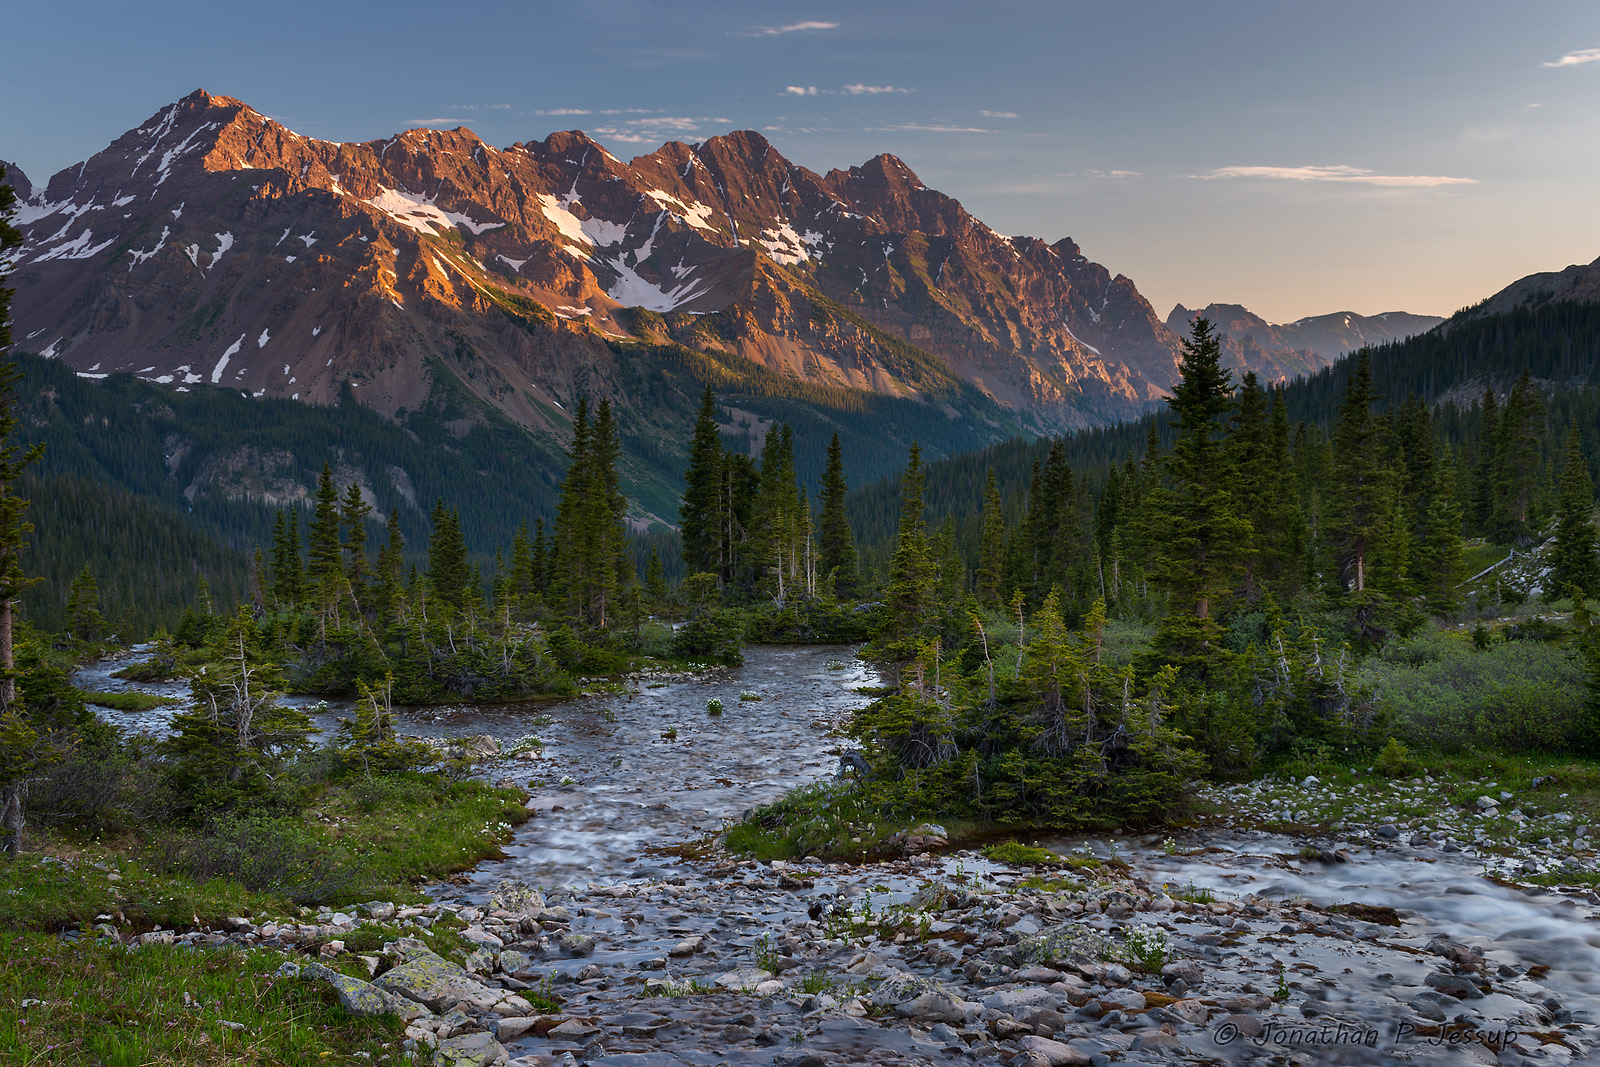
1449,369
211,466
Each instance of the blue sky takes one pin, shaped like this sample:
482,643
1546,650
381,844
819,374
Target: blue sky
1296,158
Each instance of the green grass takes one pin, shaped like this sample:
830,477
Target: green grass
371,839
828,820
1016,854
127,700
164,1005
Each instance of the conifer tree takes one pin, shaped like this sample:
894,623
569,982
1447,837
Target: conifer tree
1254,482
1484,471
836,546
523,582
1362,493
18,739
781,520
288,572
84,620
448,573
992,546
389,591
541,559
655,580
594,569
228,746
1517,469
325,554
1200,536
1437,551
908,603
1573,560
700,514
353,512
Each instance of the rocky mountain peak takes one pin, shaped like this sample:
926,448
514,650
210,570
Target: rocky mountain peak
212,244
13,176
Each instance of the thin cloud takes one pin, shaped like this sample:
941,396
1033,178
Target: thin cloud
477,107
656,129
874,90
919,128
1577,59
453,122
599,111
1340,173
809,26
998,114
1111,174
800,90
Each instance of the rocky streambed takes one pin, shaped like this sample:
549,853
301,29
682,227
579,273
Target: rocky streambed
591,946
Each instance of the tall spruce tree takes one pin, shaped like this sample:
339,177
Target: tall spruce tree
353,512
909,607
1363,499
836,546
1522,428
1484,471
699,515
19,741
1199,534
324,551
389,585
84,620
288,571
991,547
1573,562
449,576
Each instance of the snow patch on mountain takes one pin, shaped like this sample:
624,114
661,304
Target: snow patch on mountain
216,372
420,213
570,225
697,214
139,257
631,290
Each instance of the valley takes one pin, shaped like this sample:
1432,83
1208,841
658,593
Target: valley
481,606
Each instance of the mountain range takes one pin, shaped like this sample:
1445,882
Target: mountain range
212,245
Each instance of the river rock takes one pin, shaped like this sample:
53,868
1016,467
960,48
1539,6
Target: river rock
361,998
744,979
1124,1000
1043,1052
430,980
1188,971
924,837
577,944
1071,946
914,997
1455,985
470,1050
514,1026
516,897
575,1029
517,964
1012,1001
477,935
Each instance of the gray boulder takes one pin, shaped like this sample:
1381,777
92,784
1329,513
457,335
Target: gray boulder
361,998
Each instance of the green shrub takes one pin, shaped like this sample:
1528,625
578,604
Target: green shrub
1395,761
1448,696
265,855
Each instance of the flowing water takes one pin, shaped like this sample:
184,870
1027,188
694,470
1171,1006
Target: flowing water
622,774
